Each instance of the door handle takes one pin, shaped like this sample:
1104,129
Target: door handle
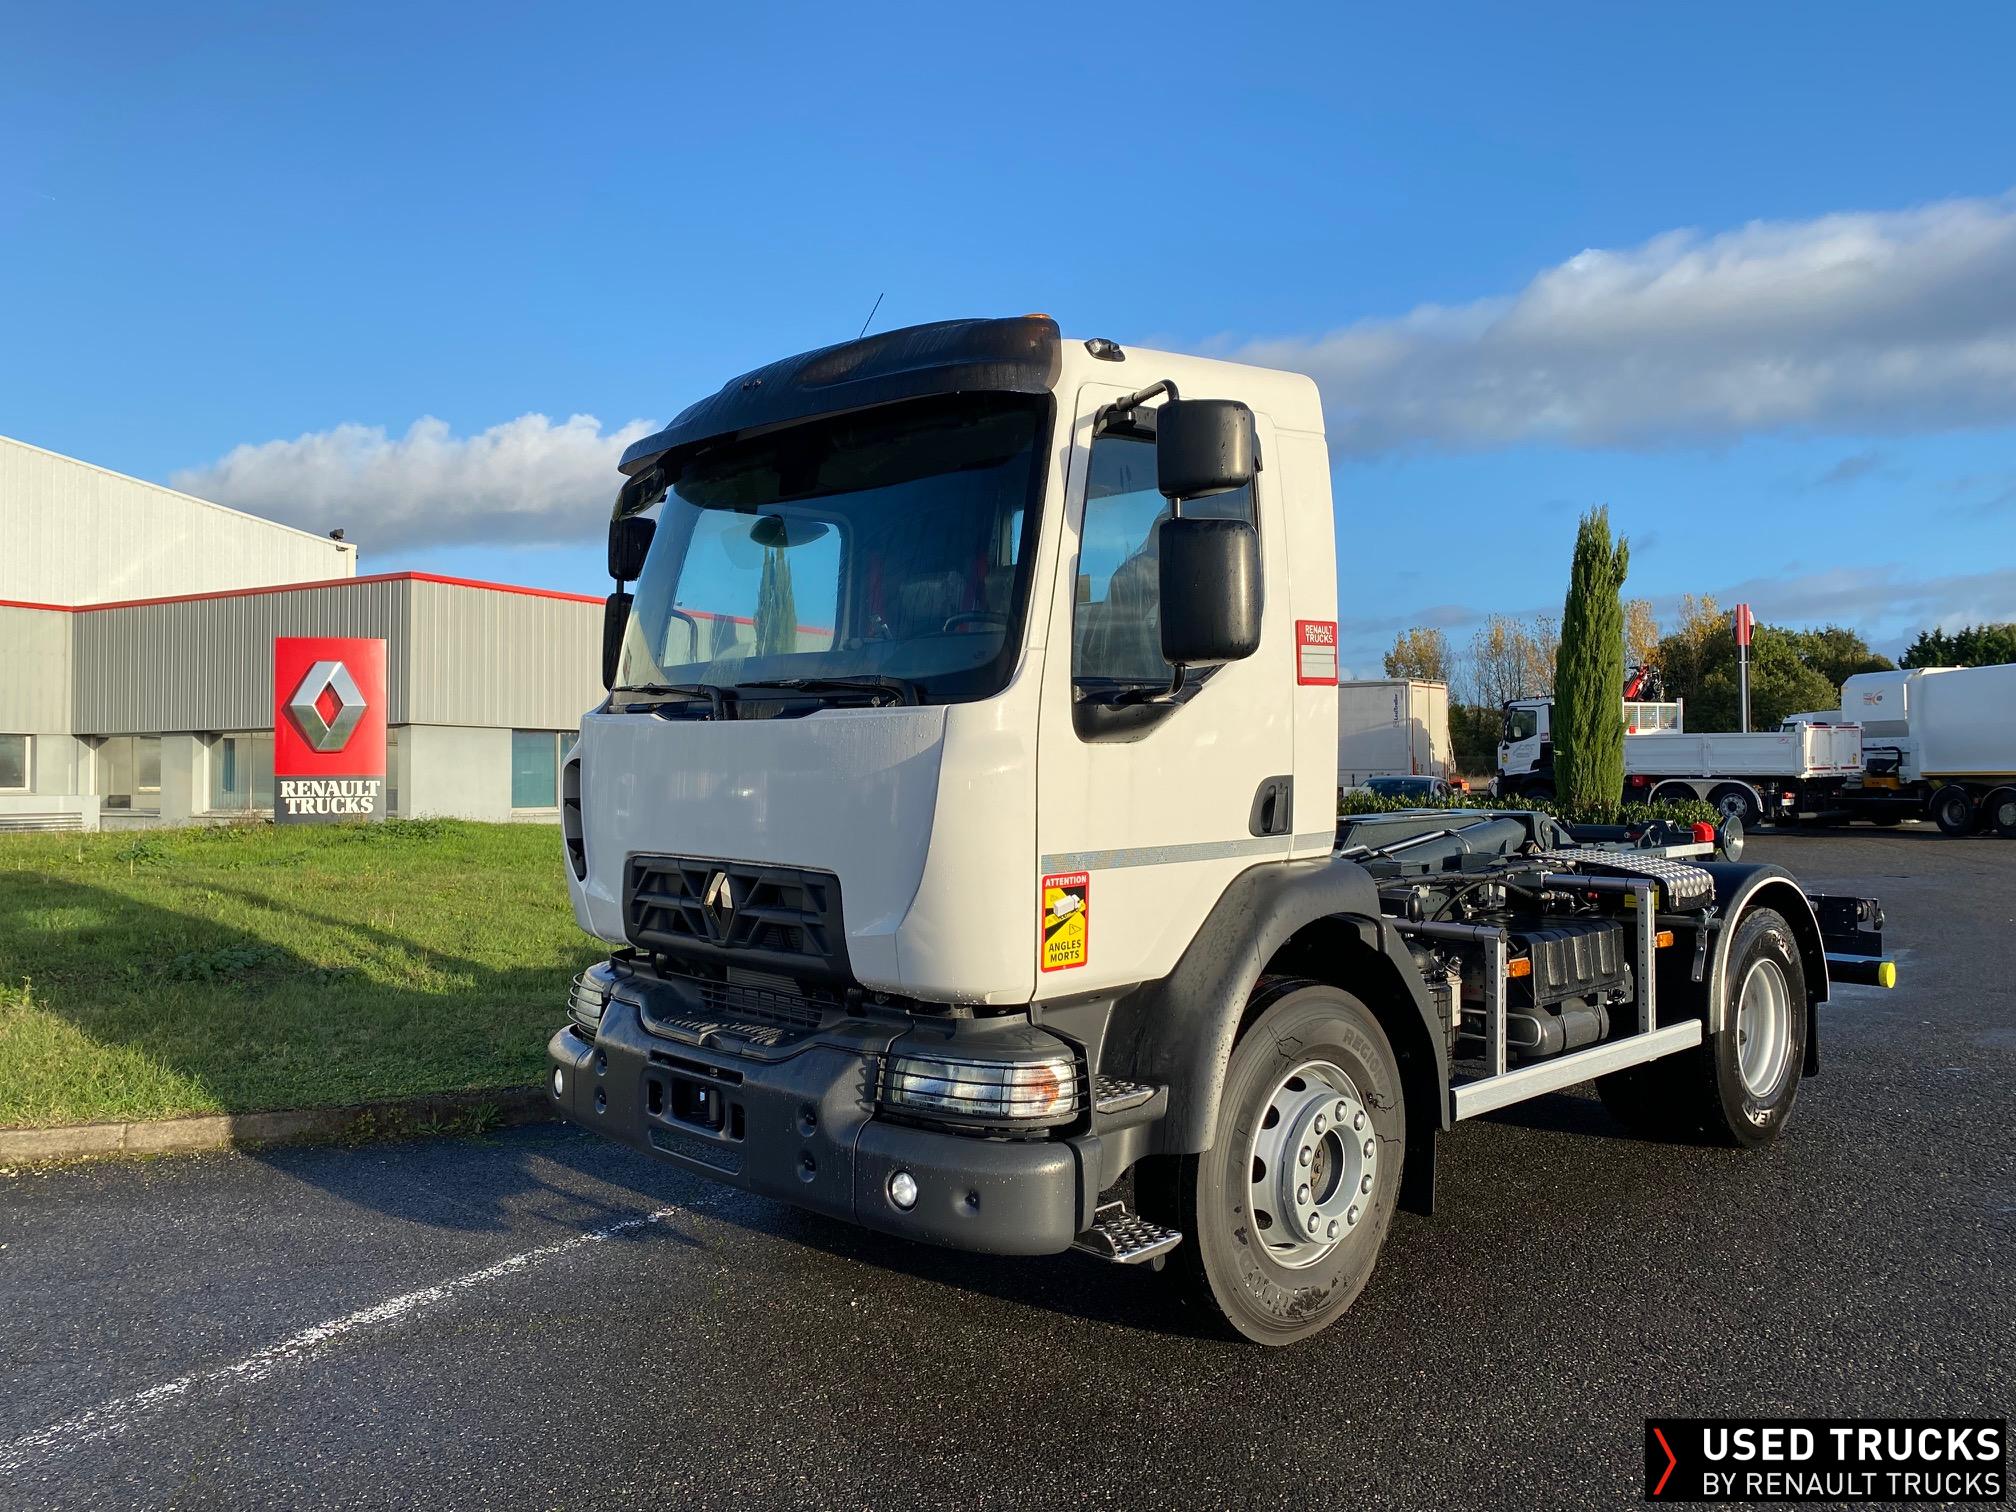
1273,807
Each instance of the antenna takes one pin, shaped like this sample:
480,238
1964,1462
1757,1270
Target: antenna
871,315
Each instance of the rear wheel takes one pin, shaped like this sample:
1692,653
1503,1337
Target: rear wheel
1672,792
1736,1087
1736,800
1998,812
1953,810
1284,1215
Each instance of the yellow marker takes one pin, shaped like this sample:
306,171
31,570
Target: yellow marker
1886,974
1519,967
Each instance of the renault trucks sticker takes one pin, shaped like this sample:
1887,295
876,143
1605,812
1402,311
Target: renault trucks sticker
1316,652
328,729
1067,920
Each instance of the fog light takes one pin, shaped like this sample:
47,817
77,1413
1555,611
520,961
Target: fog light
559,1081
903,1190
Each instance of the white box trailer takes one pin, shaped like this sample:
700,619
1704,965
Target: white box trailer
1392,727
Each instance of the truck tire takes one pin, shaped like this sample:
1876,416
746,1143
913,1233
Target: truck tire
1671,792
1540,792
1736,1087
1998,812
1734,798
1953,810
1284,1215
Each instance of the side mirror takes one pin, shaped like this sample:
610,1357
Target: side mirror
1210,584
615,618
629,543
1203,446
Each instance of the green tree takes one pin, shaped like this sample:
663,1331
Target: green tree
1974,646
1781,683
1837,654
1422,652
1589,674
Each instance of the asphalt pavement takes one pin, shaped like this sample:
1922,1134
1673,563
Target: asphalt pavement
537,1319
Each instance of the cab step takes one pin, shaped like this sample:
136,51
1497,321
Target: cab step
1125,1238
1115,1094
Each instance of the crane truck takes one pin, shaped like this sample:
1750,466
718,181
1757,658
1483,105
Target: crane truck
983,885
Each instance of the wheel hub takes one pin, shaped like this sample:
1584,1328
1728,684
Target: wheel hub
1313,1164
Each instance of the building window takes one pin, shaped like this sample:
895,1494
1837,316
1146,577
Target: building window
1117,630
129,773
535,767
241,773
391,770
14,752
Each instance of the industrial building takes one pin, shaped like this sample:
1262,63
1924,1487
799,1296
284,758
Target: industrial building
136,677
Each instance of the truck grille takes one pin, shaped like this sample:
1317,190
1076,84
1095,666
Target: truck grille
778,917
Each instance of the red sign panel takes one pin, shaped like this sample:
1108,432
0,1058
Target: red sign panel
1744,624
1316,652
328,728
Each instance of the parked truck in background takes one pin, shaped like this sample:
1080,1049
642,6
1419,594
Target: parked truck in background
1526,741
997,866
1936,741
1393,727
1758,775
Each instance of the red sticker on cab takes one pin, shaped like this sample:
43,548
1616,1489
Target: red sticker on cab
1316,652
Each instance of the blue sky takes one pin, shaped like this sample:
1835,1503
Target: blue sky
1789,365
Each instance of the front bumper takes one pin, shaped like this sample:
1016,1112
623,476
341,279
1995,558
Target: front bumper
801,1128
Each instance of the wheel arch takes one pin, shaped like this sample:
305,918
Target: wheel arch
1740,888
1318,919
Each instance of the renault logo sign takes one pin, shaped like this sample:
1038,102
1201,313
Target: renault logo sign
719,900
329,709
322,733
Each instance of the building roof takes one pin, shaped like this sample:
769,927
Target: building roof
76,533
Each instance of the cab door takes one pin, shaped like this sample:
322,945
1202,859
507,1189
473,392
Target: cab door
1146,811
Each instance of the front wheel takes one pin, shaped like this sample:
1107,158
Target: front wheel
1284,1215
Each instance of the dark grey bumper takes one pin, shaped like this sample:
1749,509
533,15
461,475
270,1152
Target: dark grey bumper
802,1129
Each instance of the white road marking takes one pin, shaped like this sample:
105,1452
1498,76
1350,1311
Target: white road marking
109,1419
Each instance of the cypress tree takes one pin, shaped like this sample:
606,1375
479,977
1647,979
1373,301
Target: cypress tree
1589,679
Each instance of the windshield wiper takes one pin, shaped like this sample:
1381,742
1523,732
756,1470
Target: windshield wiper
716,696
896,689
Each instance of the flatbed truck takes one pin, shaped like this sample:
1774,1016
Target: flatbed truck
989,892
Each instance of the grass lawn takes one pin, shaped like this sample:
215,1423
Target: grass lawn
150,973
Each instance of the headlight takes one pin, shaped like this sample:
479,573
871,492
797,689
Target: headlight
1019,1092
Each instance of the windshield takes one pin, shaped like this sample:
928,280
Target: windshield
889,544
1521,724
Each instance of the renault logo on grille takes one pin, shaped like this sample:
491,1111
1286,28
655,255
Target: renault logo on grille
719,900
330,681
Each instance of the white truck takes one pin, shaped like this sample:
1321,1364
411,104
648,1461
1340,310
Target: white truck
1935,740
1755,775
988,891
1392,727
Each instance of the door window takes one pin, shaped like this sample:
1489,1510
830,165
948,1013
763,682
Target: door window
1116,632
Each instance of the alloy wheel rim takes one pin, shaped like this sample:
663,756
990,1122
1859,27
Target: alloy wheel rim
1312,1164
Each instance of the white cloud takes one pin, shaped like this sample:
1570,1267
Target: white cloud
525,480
1877,323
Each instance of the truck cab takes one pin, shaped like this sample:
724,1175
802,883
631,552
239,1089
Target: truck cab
961,824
